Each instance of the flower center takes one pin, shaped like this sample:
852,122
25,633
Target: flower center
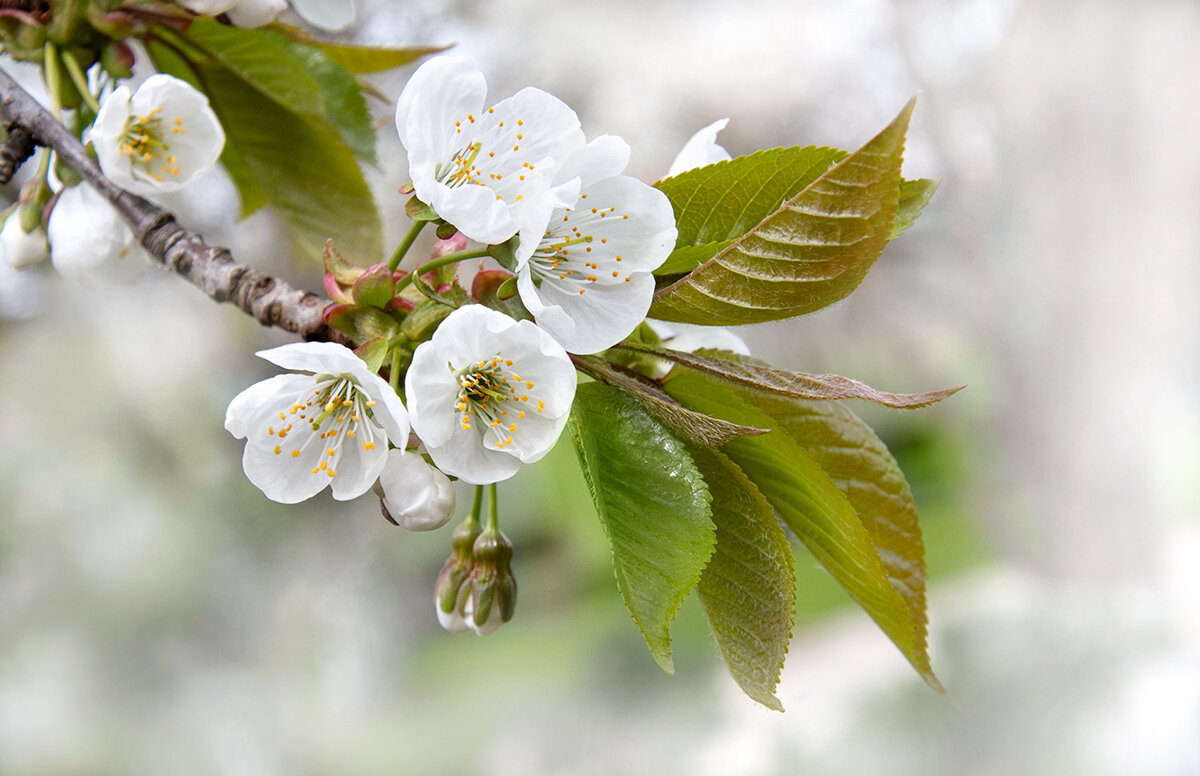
337,410
491,156
144,143
491,394
566,250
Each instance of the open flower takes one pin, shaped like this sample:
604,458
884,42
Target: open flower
484,171
329,427
326,14
488,394
89,241
587,279
160,138
700,150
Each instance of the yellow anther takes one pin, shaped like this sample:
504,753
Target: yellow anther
295,453
278,449
368,445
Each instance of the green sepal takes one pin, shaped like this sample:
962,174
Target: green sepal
505,253
424,319
374,351
375,287
652,502
362,323
416,210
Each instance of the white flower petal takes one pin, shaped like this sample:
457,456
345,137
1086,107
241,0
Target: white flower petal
440,92
331,15
700,150
283,478
356,470
208,7
253,410
317,357
691,337
603,157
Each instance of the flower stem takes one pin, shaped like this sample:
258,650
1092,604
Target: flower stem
450,258
493,523
80,79
476,507
394,373
52,76
405,244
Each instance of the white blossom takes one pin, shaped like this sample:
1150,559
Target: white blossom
488,394
587,278
487,172
22,249
415,495
160,138
329,15
700,150
330,426
89,241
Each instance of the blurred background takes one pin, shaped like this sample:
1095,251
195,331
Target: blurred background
159,616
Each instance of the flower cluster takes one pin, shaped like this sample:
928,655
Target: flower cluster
487,378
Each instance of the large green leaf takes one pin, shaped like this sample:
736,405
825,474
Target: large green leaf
372,59
297,76
810,252
761,376
813,507
748,589
302,166
652,502
863,469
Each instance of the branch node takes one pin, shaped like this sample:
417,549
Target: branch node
18,146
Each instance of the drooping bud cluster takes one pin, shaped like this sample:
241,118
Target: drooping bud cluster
476,589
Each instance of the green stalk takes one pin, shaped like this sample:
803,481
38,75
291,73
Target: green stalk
80,79
493,523
476,507
450,258
52,74
405,244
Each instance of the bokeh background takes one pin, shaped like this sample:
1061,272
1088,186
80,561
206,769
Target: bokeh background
159,616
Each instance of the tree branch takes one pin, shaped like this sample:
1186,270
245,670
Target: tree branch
270,301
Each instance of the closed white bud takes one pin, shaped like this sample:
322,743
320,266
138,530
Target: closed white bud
22,249
416,496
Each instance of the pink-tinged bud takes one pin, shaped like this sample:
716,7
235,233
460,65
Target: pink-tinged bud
453,244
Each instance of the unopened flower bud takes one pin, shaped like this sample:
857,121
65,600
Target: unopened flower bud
415,495
451,593
21,248
493,588
453,244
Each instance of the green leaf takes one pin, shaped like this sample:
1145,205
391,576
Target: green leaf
652,502
863,469
914,196
812,506
725,200
302,167
342,103
372,59
695,427
810,252
748,589
760,376
687,258
297,76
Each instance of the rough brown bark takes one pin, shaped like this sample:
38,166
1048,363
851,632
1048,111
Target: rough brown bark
269,300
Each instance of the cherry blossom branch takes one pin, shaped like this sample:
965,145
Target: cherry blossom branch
269,300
